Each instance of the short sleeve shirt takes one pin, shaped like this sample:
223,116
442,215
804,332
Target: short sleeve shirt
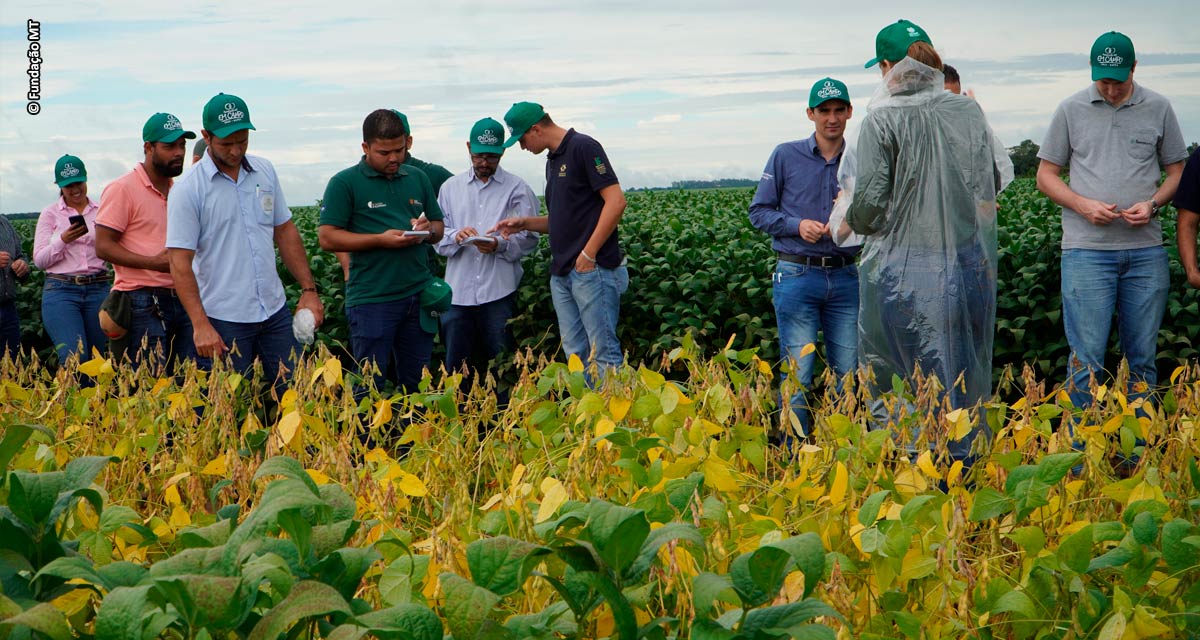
231,227
1188,194
1115,155
359,199
131,206
575,173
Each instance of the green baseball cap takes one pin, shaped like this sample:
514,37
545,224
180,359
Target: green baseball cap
1112,57
164,127
403,121
435,300
487,136
519,118
226,114
69,170
827,89
892,42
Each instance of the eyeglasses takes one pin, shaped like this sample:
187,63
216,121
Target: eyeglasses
490,158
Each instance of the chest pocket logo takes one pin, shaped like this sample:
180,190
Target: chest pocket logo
1143,144
266,202
562,171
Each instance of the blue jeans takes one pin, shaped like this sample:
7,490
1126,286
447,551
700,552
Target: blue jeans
588,305
808,299
390,335
70,315
160,321
270,341
475,335
10,329
1132,282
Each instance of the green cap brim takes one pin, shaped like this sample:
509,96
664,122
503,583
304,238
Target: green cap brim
870,63
1110,73
841,100
175,135
484,148
515,137
71,180
225,132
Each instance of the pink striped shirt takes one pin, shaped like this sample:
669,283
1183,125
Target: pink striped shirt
52,255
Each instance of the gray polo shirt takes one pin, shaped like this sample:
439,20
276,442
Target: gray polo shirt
1115,154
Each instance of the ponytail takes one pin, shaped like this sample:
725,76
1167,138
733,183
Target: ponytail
924,53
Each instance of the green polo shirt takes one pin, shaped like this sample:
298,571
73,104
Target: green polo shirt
437,173
359,199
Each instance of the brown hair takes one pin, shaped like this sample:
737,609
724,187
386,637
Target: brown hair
924,53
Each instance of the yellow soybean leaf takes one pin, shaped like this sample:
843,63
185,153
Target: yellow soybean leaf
383,413
1144,623
95,367
604,426
960,424
316,375
554,494
807,349
954,476
1019,404
179,517
1114,629
215,467
574,364
332,372
73,601
1176,373
1101,392
764,367
618,407
411,485
288,427
250,424
159,385
518,473
171,495
289,399
841,481
925,464
87,515
318,477
492,501
717,474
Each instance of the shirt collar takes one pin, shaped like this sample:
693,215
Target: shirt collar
369,172
562,146
498,177
140,170
1134,98
62,205
209,167
811,144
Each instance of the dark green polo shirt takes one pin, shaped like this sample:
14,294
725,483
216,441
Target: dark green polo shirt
437,173
362,200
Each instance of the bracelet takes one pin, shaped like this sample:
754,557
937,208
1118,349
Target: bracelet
1154,207
312,289
587,257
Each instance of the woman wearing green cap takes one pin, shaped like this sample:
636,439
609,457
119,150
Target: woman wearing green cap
77,281
925,197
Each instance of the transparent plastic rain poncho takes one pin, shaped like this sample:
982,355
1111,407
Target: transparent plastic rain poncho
923,198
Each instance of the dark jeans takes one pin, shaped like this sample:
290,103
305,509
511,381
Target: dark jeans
390,335
477,335
70,315
270,341
10,329
161,323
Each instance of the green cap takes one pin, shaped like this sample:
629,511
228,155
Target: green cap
893,41
403,121
435,300
825,90
226,114
69,170
487,136
1112,57
164,127
519,118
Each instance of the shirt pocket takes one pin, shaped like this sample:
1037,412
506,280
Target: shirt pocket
264,205
1143,144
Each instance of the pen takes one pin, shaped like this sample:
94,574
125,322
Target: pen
257,191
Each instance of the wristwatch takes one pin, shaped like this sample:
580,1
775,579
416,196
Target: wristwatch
1154,206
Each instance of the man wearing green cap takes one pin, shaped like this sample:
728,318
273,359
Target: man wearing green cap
131,233
384,215
815,284
224,220
585,201
483,270
1116,136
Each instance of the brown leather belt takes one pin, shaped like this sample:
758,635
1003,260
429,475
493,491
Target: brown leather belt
828,262
94,278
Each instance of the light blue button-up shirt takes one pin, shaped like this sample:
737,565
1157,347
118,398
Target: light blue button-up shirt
231,227
477,278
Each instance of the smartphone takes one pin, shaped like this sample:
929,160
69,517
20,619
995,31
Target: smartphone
421,234
78,221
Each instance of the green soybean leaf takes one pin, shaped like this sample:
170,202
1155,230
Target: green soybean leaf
466,605
1115,557
1056,466
1145,528
1076,551
707,587
502,564
758,575
870,508
617,533
121,613
808,552
288,468
988,504
308,599
43,618
785,616
1178,554
655,540
398,580
1016,602
408,621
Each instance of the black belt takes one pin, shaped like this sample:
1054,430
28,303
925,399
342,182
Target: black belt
94,278
158,291
829,262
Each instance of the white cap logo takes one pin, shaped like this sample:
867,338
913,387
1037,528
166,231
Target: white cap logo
231,114
829,91
912,32
172,123
68,171
488,137
1109,58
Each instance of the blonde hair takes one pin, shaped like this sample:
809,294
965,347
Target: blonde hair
924,53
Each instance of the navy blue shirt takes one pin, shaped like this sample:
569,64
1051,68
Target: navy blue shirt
575,173
797,184
1187,196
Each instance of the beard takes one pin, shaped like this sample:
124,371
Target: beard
168,169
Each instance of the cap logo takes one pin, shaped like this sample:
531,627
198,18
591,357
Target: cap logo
68,171
231,114
172,124
829,91
488,137
912,32
511,130
1109,58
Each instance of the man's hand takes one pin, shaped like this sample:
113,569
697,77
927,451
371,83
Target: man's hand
1193,279
311,301
1096,212
20,268
73,233
208,342
509,226
464,233
583,265
5,259
395,239
488,247
420,224
812,231
1137,215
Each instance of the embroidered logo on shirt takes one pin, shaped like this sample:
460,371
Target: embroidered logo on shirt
231,114
600,168
562,171
767,176
172,124
414,201
829,91
1109,58
68,171
488,137
376,205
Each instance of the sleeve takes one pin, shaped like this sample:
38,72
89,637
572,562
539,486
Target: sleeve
447,246
433,211
524,202
873,184
598,169
183,217
48,247
1056,146
337,205
1171,148
114,208
765,213
1188,195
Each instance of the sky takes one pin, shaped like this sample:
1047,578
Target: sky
673,90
